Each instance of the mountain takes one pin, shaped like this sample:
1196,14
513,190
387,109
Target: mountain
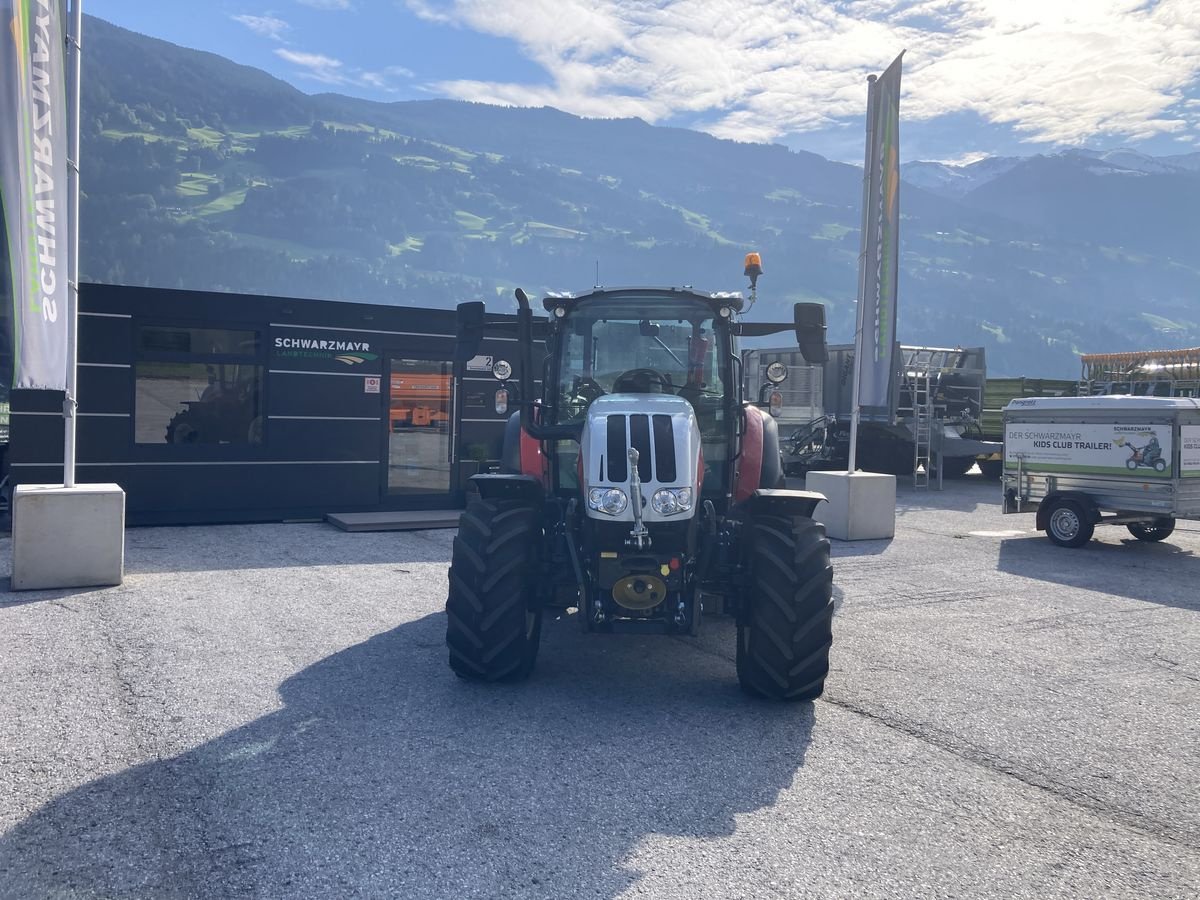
1076,197
950,180
1189,161
205,174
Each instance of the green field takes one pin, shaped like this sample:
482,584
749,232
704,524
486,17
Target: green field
223,203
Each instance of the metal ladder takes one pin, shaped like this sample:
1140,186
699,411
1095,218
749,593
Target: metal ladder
922,411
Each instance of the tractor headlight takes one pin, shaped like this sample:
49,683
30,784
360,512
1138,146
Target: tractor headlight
672,501
611,501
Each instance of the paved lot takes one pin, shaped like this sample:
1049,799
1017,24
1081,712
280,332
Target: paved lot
266,711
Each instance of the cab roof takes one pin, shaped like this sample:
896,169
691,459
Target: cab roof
732,299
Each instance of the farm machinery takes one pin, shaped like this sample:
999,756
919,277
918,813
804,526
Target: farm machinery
642,488
931,423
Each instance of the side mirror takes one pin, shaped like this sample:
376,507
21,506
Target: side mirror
468,330
810,331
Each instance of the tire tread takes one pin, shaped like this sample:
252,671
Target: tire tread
491,590
784,640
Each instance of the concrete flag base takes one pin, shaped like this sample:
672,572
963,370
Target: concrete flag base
67,537
861,506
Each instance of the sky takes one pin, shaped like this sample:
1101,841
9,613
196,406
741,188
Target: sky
981,77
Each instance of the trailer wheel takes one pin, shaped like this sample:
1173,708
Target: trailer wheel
493,625
1068,525
786,626
1157,530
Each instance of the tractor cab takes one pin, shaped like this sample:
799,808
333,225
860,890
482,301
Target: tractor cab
671,351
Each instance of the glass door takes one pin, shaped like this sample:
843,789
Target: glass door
420,426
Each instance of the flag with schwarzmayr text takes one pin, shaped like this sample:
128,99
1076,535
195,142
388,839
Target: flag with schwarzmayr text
881,242
33,187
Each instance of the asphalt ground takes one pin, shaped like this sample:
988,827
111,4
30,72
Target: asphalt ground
266,711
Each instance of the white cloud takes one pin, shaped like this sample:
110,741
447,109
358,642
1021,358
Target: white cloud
385,79
759,69
321,68
328,70
268,26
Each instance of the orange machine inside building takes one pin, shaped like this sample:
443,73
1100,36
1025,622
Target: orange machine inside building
419,400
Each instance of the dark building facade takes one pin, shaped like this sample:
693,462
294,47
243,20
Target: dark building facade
212,407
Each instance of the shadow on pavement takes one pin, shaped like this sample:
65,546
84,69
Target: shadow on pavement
1162,573
206,548
964,494
383,775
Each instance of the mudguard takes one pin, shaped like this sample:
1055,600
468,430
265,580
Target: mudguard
522,453
509,487
510,456
748,474
771,472
779,502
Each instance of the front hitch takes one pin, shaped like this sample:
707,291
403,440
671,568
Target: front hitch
639,536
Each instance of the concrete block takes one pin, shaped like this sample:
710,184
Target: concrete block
861,506
67,537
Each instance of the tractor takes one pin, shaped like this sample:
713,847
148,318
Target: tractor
642,489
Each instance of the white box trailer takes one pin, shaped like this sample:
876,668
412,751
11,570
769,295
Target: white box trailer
1079,462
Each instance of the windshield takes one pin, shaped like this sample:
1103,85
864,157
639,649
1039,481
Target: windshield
659,346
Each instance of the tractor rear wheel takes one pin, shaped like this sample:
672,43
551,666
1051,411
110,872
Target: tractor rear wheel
787,619
493,624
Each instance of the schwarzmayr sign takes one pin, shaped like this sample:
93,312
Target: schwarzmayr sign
351,353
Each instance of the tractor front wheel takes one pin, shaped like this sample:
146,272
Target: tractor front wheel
493,623
787,620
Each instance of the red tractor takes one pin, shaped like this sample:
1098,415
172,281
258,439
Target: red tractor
642,489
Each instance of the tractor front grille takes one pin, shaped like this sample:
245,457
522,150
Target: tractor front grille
654,439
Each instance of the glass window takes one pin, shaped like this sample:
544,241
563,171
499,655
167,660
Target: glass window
198,403
623,346
419,426
627,345
197,341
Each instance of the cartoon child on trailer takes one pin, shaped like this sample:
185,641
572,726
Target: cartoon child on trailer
1148,456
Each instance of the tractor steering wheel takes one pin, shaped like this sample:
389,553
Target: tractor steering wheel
640,381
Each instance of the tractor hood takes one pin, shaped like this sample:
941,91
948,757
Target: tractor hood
662,429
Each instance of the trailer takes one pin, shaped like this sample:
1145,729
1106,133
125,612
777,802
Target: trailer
1079,462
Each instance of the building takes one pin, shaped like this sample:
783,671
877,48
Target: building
212,407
